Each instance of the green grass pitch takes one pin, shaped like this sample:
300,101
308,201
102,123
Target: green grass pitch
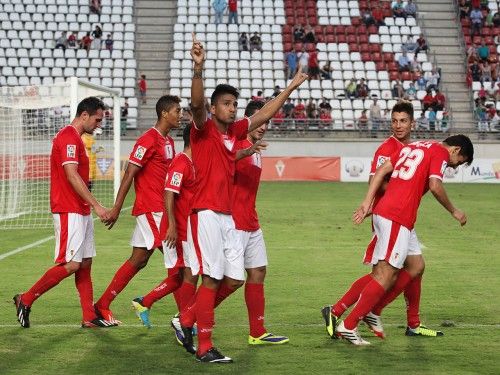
315,253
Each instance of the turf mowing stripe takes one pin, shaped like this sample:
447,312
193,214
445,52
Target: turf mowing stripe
39,242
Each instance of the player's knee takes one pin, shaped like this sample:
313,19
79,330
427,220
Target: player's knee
72,267
256,275
233,283
415,267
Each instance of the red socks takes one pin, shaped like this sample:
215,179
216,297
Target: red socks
50,279
167,286
401,282
223,292
351,296
184,295
122,277
255,300
204,310
83,282
370,295
412,297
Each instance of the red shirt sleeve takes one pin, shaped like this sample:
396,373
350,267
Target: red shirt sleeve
142,151
382,154
439,161
69,148
175,176
240,128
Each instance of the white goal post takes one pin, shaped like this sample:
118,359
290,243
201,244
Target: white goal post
30,116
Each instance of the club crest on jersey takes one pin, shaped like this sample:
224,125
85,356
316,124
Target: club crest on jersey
228,142
381,160
71,151
139,152
443,167
176,179
169,152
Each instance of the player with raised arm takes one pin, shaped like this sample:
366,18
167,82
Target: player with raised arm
410,277
70,203
212,237
147,168
179,190
416,168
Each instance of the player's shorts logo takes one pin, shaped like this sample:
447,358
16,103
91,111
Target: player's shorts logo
71,151
176,179
139,152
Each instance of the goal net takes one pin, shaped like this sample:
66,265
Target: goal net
30,116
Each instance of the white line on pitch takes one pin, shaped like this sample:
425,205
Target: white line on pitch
39,242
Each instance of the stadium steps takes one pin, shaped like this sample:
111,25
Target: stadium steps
442,32
155,20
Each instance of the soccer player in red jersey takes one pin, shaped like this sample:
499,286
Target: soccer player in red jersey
147,168
212,237
70,203
179,190
416,168
410,277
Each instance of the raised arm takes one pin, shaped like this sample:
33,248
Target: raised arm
256,148
375,184
273,106
197,89
437,189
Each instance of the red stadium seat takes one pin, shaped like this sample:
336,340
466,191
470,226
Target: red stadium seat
362,4
493,49
340,29
406,76
465,22
375,47
355,21
290,20
287,29
392,66
330,38
318,30
287,47
300,20
387,12
287,38
488,40
299,12
352,39
313,20
353,47
365,56
388,57
362,38
320,38
310,47
298,46
350,30
330,29
385,5
341,38
380,66
364,47
477,39
361,30
377,58
393,76
373,29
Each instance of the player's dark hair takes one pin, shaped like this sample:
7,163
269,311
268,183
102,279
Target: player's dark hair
186,135
165,103
221,90
465,144
252,107
90,105
404,106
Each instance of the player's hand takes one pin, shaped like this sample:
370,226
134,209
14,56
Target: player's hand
112,218
360,213
459,215
197,51
299,78
101,212
171,238
258,147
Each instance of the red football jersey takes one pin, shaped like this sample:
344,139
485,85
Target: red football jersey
413,165
67,148
214,163
153,153
246,184
181,180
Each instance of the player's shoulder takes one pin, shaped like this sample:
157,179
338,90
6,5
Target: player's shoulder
67,134
149,137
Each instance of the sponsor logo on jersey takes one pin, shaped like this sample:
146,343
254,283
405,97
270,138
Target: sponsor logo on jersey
176,179
381,160
443,167
228,142
139,152
71,151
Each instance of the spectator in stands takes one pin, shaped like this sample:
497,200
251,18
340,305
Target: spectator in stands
481,94
397,90
279,122
421,82
299,107
309,37
485,71
276,91
472,53
62,41
445,121
495,69
408,44
233,11
363,121
325,119
497,92
310,108
143,88
95,6
464,7
495,121
386,118
72,40
432,115
415,66
300,118
291,63
398,9
476,19
404,63
219,8
378,15
313,65
411,91
428,100
298,34
97,34
303,58
259,97
484,4
439,101
367,18
86,42
288,108
108,43
362,89
255,42
483,51
422,45
496,23
243,42
475,70
432,79
422,124
411,9
123,117
325,105
375,115
326,71
488,21
350,89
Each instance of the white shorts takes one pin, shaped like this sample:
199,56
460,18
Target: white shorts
391,242
74,235
214,246
150,230
254,248
175,257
